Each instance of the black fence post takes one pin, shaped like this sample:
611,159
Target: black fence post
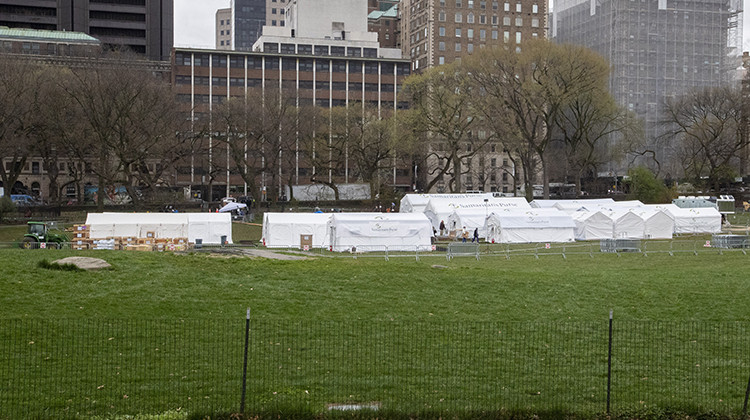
609,362
244,365
747,395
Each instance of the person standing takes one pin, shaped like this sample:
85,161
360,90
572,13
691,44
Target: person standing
476,235
464,235
442,228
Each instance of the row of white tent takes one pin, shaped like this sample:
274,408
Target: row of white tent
340,232
513,220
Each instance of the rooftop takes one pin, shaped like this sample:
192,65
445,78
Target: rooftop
47,35
390,13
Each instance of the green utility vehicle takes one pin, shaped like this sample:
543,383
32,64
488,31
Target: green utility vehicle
40,236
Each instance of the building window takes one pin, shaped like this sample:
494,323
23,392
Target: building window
518,37
322,66
519,21
506,20
321,50
441,31
534,22
535,8
470,4
287,48
494,19
506,7
458,46
459,3
441,16
441,60
470,18
222,43
458,32
494,34
470,48
482,19
470,33
494,5
459,18
441,46
304,49
518,7
506,36
482,34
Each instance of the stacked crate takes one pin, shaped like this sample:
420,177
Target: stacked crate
81,239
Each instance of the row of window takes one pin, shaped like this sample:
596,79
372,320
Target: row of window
495,5
458,18
319,102
308,49
303,84
289,63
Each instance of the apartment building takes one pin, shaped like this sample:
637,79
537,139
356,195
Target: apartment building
248,18
143,26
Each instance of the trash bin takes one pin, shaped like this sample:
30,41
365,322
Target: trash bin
199,243
223,240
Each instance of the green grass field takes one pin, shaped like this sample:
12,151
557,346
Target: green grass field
161,332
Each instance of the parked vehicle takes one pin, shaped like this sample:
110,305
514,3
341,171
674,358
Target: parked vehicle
40,233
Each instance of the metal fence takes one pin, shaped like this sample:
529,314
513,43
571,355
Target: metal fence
69,368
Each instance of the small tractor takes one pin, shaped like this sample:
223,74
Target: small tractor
39,233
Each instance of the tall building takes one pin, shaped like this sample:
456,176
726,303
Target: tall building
249,17
224,29
144,26
657,48
435,32
385,23
323,55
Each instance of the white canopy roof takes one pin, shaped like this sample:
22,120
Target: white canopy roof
416,203
692,220
439,208
283,230
592,225
571,203
530,225
209,227
380,231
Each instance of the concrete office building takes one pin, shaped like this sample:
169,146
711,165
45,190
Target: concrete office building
224,29
657,49
324,55
144,26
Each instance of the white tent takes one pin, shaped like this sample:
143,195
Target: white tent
540,204
284,230
371,232
209,227
627,224
440,208
470,219
530,225
592,225
692,220
657,223
416,203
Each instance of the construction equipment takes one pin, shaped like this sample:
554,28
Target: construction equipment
40,235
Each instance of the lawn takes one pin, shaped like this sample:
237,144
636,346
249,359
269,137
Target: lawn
431,336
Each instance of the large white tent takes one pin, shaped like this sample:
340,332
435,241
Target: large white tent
530,225
468,219
540,204
284,230
416,203
440,208
209,227
370,232
592,225
692,220
641,223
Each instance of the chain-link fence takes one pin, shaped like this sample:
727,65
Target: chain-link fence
64,368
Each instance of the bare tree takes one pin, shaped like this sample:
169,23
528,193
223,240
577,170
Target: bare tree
706,123
443,112
534,86
19,80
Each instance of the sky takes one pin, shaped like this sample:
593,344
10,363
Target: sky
194,23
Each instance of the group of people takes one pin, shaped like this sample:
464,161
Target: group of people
460,233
